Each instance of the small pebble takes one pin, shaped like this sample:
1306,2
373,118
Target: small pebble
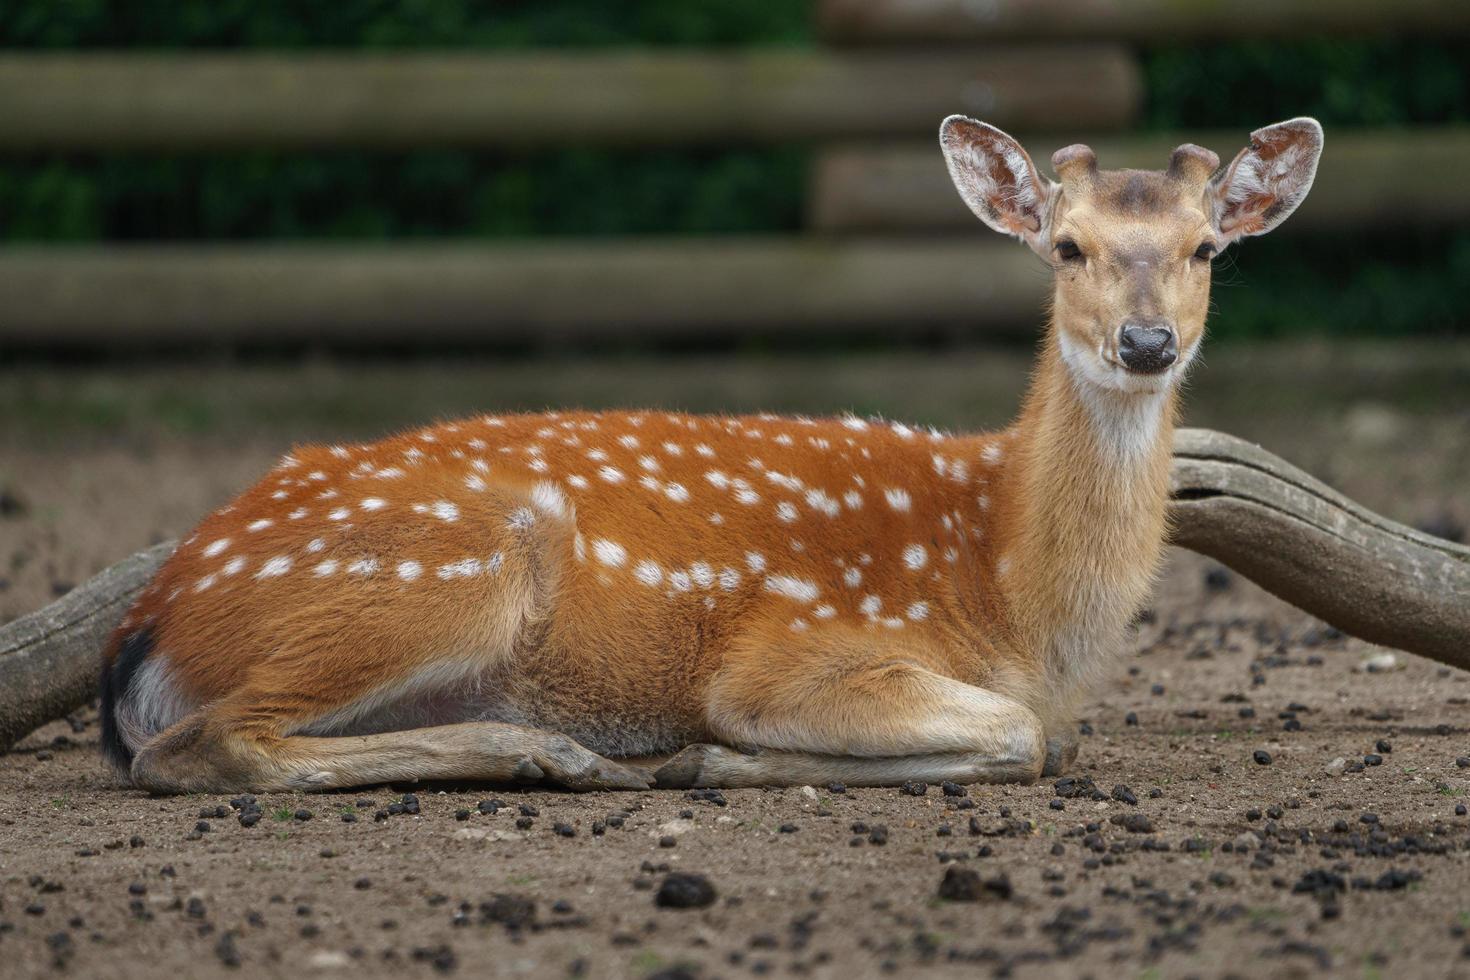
683,890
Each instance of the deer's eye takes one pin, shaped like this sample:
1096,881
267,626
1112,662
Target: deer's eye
1068,250
1206,251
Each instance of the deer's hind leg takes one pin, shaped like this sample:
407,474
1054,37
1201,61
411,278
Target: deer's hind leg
320,682
852,710
197,756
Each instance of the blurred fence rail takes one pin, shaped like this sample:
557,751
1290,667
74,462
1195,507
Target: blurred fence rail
970,21
1362,179
116,296
191,102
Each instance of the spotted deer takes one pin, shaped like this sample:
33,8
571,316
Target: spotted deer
619,599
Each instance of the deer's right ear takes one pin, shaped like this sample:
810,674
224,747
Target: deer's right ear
997,179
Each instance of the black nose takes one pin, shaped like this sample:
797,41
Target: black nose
1147,347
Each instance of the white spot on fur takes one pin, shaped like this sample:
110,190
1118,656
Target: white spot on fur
363,567
703,575
918,611
729,579
870,605
801,590
340,514
464,568
373,503
649,573
315,545
786,511
611,474
259,525
755,561
215,547
445,511
853,577
898,499
549,498
677,493
915,557
234,566
274,567
610,553
325,568
409,570
819,500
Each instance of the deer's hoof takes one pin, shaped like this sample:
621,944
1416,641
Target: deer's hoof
687,769
1061,753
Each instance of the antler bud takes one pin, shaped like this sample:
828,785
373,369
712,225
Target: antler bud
1075,163
1192,163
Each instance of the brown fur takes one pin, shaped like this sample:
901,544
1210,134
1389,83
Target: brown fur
921,605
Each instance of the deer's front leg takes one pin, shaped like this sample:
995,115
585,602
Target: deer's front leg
858,712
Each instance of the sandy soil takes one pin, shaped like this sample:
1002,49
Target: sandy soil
1347,854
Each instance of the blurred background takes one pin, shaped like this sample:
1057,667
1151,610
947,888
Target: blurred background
226,227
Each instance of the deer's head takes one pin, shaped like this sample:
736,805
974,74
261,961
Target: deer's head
1131,249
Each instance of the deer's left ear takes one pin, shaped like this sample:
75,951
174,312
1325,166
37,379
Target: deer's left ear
1266,180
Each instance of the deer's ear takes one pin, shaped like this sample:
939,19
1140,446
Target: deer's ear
1266,180
996,178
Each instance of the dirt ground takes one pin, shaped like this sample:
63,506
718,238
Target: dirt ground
1348,854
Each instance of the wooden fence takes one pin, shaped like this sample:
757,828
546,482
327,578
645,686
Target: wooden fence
1366,178
218,101
881,253
355,295
933,22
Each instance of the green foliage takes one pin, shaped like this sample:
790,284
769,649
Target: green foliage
429,193
1378,82
398,23
1392,284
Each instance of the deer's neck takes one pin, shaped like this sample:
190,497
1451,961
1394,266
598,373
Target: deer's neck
1086,497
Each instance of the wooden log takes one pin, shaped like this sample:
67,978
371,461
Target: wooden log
198,102
49,660
969,21
1360,181
1301,540
1232,500
354,295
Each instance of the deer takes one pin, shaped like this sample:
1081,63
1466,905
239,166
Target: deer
634,599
